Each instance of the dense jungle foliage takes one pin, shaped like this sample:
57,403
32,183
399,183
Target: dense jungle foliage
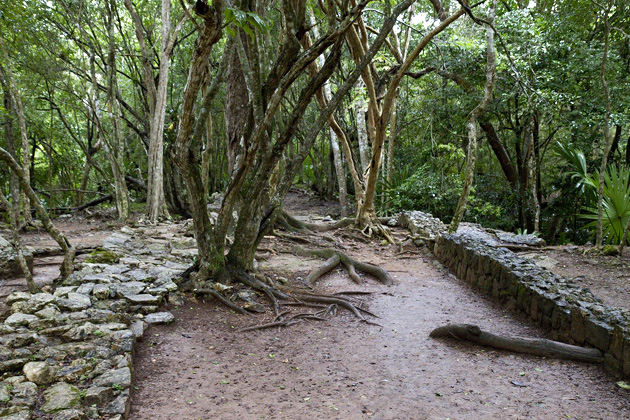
82,82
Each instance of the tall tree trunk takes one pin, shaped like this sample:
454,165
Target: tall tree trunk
366,214
362,132
115,147
157,95
211,259
471,157
18,109
236,111
334,139
14,182
607,137
389,174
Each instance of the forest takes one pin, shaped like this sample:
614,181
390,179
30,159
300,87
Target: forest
242,162
510,114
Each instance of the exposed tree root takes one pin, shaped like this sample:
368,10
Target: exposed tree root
289,222
222,299
377,229
335,257
537,347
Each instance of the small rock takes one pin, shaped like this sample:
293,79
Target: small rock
75,302
159,318
101,291
129,288
85,288
5,394
20,415
97,395
120,405
61,396
24,394
118,378
63,291
19,319
13,365
38,372
144,299
16,297
137,328
72,414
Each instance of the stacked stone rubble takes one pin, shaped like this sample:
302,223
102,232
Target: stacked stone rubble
67,355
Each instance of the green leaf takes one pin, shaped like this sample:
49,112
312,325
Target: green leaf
623,385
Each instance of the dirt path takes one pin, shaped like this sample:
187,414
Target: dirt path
201,368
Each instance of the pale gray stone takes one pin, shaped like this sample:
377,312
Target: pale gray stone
144,299
98,278
101,291
19,415
38,372
117,377
19,319
72,414
129,288
75,302
120,405
50,312
85,288
97,395
16,297
117,240
63,291
140,275
5,392
159,318
137,328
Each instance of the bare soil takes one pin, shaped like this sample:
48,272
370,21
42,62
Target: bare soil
608,277
201,367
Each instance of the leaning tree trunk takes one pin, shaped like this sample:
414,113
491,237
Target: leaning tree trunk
366,214
69,251
14,216
471,156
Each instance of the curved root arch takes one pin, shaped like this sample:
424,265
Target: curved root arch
334,258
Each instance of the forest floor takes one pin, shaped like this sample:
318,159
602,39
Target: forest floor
201,367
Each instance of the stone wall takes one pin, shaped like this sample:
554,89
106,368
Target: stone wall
566,311
67,355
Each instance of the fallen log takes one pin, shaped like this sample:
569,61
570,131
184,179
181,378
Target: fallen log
533,346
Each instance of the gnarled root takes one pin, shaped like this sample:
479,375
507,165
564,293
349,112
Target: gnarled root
333,258
290,223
